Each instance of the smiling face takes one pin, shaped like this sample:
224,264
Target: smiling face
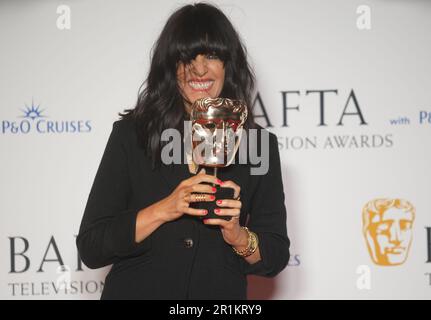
202,77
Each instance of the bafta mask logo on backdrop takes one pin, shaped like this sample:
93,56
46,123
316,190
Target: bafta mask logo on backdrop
387,228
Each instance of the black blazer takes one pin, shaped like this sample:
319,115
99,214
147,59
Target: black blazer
182,259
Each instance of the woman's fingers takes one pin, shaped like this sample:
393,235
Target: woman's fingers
195,191
200,188
195,212
233,185
202,177
227,212
199,193
229,203
199,197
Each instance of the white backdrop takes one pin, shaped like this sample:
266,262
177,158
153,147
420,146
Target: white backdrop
61,89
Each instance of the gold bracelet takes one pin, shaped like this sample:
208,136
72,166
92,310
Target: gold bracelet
253,243
244,251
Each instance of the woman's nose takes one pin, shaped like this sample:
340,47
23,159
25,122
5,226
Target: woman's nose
199,66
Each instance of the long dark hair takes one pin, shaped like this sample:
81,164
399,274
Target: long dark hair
191,30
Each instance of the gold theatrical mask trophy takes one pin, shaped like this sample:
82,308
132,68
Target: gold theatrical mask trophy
217,125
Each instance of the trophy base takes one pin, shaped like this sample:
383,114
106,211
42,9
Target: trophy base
221,193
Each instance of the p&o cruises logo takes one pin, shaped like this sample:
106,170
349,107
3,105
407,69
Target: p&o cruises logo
33,119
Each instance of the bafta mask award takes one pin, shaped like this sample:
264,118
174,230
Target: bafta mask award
216,130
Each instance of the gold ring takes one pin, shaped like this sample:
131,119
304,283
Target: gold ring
199,197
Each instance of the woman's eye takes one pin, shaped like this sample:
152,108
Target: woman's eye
212,56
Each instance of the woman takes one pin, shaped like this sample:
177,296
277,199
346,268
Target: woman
139,215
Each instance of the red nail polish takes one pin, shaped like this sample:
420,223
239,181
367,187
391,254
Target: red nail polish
219,201
212,197
205,220
204,211
219,181
214,189
216,210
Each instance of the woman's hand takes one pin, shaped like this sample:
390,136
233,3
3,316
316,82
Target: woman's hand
178,202
231,230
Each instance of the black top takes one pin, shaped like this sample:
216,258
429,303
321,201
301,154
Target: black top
182,259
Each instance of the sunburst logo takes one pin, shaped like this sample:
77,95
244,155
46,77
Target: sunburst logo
32,112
